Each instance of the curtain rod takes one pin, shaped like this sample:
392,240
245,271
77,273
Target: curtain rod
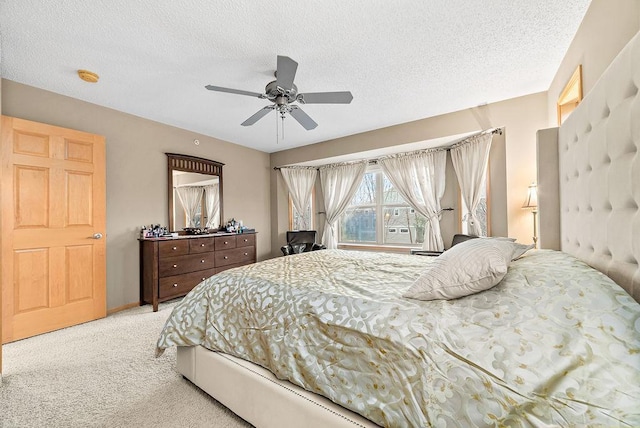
494,131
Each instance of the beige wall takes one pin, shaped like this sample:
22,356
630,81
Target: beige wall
607,27
521,117
137,175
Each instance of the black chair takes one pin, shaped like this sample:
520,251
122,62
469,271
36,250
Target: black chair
301,241
457,238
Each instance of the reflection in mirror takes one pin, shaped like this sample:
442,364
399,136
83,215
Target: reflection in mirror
195,193
196,200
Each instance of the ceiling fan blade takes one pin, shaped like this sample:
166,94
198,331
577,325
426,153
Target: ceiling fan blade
344,97
257,116
286,72
302,118
234,91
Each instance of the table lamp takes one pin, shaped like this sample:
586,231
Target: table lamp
532,203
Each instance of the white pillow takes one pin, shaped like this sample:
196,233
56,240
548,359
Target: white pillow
467,268
520,249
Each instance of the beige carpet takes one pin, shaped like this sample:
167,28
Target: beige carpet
103,374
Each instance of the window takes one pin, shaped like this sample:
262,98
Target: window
571,95
304,221
378,215
482,211
197,218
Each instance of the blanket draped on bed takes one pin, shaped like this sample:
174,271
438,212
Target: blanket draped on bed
555,342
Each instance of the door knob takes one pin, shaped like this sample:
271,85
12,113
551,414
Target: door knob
97,235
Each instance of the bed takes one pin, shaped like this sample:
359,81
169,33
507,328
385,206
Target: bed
327,338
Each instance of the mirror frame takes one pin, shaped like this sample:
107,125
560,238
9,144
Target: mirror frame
186,163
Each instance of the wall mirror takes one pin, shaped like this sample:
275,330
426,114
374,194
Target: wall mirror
195,193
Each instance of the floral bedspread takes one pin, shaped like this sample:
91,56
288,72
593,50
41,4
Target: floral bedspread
555,343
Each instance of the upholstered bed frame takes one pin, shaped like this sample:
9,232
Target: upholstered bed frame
257,396
589,176
589,187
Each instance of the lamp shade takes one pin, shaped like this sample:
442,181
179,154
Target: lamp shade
532,197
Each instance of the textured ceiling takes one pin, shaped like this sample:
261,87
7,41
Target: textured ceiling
403,60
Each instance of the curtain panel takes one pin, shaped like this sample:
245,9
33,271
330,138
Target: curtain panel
470,160
339,184
212,198
191,198
420,180
300,183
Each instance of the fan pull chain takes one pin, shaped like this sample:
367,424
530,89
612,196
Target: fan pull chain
283,128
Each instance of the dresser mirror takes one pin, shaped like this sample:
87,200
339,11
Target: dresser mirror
195,193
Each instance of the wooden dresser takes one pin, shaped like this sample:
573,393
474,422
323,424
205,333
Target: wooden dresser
171,267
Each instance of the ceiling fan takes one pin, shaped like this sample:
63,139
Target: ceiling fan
283,93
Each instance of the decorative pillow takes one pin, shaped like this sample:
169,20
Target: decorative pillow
467,268
499,238
520,249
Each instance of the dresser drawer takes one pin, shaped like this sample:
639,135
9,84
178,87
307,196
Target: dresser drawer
225,242
236,255
182,264
176,247
200,245
181,284
248,240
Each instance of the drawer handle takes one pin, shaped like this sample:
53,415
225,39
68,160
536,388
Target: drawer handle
225,242
246,254
202,261
225,257
175,285
175,248
246,240
202,245
175,266
203,278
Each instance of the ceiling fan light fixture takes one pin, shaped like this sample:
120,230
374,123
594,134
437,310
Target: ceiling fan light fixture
88,76
282,92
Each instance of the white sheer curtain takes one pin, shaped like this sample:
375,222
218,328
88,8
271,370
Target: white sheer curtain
212,198
300,183
191,199
470,160
339,184
420,179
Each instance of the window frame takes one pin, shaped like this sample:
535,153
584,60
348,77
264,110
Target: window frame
570,96
461,203
379,209
312,207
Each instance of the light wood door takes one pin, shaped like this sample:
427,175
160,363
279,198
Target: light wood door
53,227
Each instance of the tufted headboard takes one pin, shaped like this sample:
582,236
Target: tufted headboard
599,173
